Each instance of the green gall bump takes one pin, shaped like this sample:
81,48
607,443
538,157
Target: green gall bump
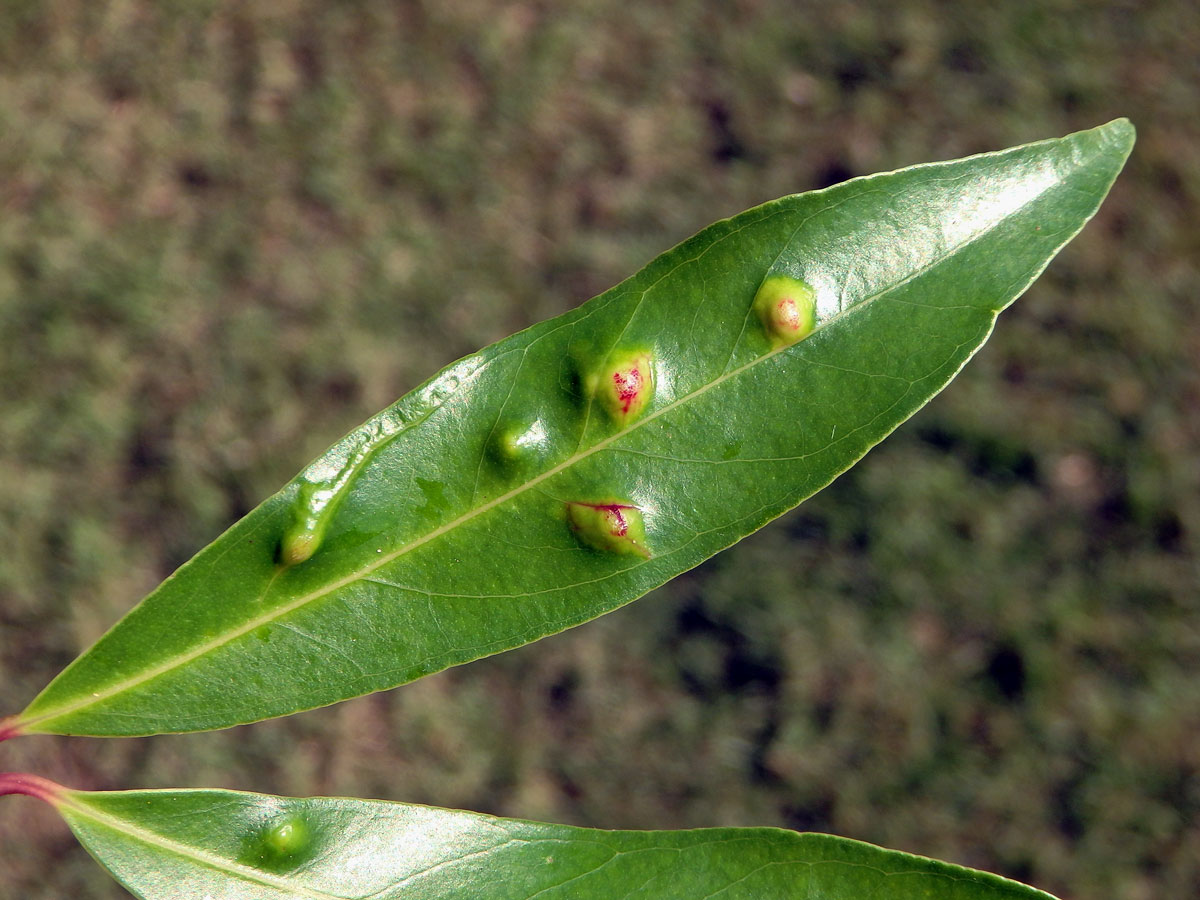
610,525
624,386
282,843
287,837
514,444
787,308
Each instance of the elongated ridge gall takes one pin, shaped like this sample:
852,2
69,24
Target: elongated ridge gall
298,546
312,510
320,493
612,525
787,309
30,786
624,385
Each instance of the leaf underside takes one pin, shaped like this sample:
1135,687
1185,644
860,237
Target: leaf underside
180,845
439,548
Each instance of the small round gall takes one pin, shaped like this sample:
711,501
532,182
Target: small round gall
286,839
515,444
279,845
613,526
787,309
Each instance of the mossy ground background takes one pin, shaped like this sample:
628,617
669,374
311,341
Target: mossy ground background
229,232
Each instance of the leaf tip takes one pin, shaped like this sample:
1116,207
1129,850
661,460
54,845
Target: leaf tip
1121,133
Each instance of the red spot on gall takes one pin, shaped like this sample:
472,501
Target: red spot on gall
613,526
625,386
628,383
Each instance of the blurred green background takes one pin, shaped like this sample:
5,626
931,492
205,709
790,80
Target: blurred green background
231,231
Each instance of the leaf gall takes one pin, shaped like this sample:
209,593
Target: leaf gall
280,844
612,526
786,307
624,386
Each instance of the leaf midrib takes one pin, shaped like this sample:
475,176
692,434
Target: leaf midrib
384,559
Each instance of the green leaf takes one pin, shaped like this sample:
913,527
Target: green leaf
441,531
191,845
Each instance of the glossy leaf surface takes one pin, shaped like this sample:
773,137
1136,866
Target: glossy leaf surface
192,845
441,525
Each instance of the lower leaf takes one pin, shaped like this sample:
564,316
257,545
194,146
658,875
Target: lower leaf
224,845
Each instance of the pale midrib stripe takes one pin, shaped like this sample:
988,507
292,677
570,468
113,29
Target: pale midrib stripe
382,560
232,869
